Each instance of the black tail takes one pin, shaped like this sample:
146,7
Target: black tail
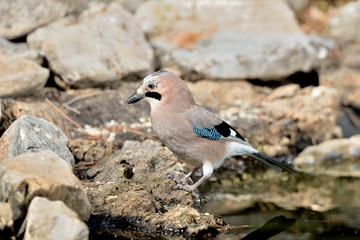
271,162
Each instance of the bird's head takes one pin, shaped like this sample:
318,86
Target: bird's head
162,86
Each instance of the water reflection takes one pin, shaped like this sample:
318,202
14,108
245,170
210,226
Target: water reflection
302,224
271,228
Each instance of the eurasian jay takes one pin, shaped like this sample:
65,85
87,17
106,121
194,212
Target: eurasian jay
191,132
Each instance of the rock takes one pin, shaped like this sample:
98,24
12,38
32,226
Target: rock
41,174
232,39
336,157
97,108
191,19
287,120
345,81
130,5
20,77
297,5
216,94
131,187
6,216
238,55
345,22
21,50
31,134
272,190
102,45
343,26
20,18
53,220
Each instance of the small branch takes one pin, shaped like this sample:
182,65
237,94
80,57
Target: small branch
62,113
349,112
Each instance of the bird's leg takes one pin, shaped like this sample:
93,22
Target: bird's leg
183,181
207,171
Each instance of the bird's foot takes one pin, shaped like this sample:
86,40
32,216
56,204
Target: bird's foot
182,181
186,187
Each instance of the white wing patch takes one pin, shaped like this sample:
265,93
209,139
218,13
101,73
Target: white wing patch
232,133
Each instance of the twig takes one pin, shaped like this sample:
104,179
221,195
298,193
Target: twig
92,183
77,98
72,109
349,112
62,113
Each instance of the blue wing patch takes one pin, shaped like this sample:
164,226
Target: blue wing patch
209,133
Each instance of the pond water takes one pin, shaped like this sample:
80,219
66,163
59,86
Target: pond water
301,225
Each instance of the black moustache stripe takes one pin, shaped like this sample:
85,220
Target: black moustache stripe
155,95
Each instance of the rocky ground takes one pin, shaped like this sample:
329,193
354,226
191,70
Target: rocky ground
75,158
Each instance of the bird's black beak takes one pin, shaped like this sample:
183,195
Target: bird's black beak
135,97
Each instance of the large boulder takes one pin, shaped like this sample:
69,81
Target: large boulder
21,17
171,20
21,50
232,39
20,77
102,45
345,22
32,134
41,174
238,55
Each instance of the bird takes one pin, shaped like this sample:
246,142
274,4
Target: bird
195,135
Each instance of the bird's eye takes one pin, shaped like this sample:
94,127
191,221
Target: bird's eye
151,86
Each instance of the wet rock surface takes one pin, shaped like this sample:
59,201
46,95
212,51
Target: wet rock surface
336,157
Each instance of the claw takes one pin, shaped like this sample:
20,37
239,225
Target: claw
182,181
186,187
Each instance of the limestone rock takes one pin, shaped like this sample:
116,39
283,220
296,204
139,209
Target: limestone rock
222,94
102,45
336,157
20,77
53,220
21,50
41,174
238,55
345,22
190,19
130,5
287,120
6,216
31,134
297,5
20,17
344,26
232,39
